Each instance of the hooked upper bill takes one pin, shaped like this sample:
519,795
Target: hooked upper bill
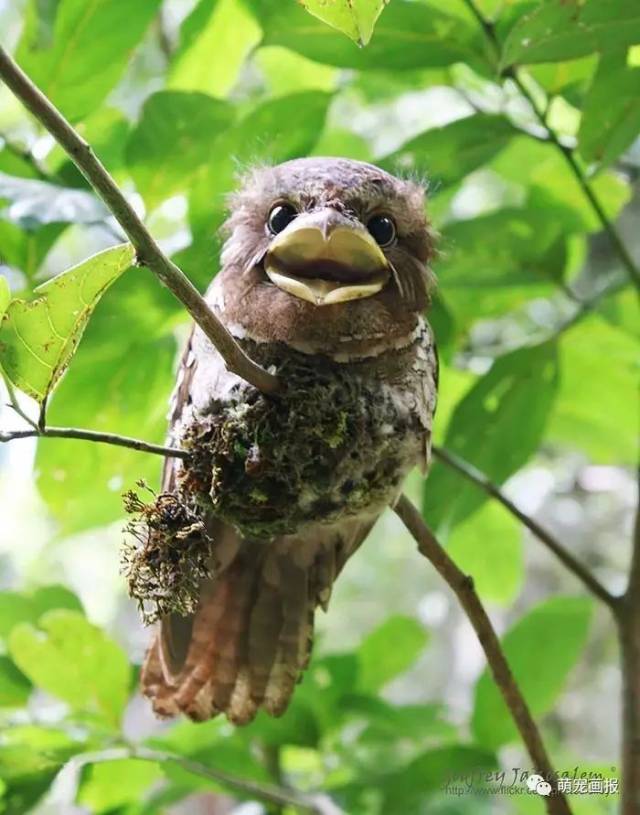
325,259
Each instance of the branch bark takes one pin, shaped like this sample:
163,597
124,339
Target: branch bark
148,252
462,586
94,436
468,471
629,634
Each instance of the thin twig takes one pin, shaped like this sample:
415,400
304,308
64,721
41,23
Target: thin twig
462,586
148,252
511,72
472,474
316,804
94,436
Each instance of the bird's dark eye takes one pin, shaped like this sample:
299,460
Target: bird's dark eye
280,217
383,229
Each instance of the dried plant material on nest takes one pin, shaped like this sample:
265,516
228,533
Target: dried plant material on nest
166,556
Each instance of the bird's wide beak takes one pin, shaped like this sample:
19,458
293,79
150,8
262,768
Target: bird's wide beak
326,258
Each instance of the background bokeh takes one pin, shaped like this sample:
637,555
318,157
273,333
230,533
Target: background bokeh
537,326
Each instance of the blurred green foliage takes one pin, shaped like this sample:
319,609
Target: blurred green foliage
539,347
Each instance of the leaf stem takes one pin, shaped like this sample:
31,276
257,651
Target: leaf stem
94,436
148,251
462,586
468,471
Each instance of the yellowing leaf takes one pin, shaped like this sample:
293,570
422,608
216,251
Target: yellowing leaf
38,337
355,18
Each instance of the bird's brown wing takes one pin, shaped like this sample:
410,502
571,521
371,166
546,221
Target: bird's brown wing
250,639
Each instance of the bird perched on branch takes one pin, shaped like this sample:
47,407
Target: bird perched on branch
324,279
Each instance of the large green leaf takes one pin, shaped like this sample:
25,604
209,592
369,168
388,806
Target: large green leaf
388,651
75,661
446,154
89,49
558,30
119,382
408,35
541,649
264,135
5,296
173,141
497,426
110,785
15,688
208,59
39,337
355,18
596,409
611,113
550,186
19,608
488,546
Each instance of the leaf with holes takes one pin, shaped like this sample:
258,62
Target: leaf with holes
38,337
355,18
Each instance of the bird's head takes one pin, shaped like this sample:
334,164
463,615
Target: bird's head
326,254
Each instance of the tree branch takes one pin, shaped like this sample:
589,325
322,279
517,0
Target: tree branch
316,804
94,436
462,586
629,633
633,270
468,471
148,251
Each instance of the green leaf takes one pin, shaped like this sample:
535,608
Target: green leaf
15,688
446,154
388,651
598,415
287,72
497,426
130,341
209,60
496,566
5,295
263,135
90,47
558,30
408,35
410,788
541,648
75,661
17,608
611,111
38,338
172,142
107,786
355,18
550,186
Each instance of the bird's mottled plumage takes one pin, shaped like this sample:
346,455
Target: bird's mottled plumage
250,639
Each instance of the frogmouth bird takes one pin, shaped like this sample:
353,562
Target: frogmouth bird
324,279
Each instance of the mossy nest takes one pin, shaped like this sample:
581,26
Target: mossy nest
331,444
324,448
